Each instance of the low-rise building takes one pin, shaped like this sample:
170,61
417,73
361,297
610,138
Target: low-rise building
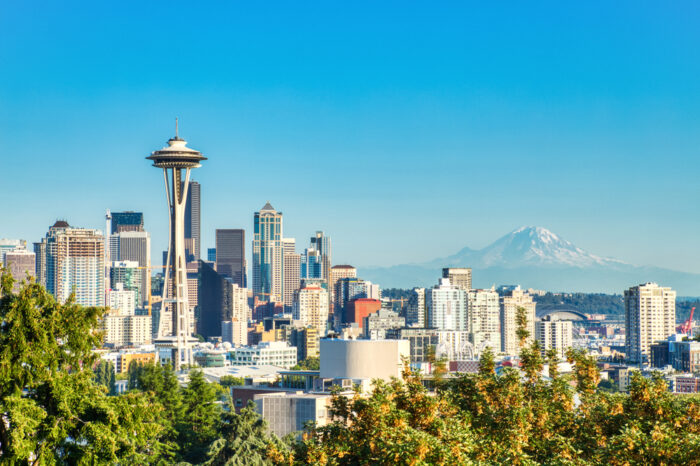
274,353
362,359
288,413
375,325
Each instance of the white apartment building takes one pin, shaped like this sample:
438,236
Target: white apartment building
509,325
272,353
415,312
483,316
121,301
311,308
650,316
129,330
554,334
446,306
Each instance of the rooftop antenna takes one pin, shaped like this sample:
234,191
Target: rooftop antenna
176,136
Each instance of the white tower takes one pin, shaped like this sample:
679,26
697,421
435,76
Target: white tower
175,158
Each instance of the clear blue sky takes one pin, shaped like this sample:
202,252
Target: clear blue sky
405,130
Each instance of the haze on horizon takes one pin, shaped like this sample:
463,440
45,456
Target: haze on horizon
405,132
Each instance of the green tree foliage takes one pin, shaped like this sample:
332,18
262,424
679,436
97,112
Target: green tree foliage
105,376
245,441
52,409
231,381
200,423
311,363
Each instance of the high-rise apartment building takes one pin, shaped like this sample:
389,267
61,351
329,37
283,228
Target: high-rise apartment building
554,334
483,310
128,276
510,302
292,272
322,244
230,254
268,257
74,262
15,258
446,306
459,277
415,312
311,308
121,301
192,222
650,316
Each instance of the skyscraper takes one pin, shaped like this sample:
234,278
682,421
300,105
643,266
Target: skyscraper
192,222
230,254
650,316
510,303
134,245
446,306
268,255
74,262
322,244
311,308
483,309
126,221
459,277
311,264
292,269
415,312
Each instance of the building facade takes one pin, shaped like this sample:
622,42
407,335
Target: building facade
446,306
510,302
322,244
74,263
415,311
193,222
459,277
483,311
292,272
554,334
230,254
268,255
650,316
273,353
311,308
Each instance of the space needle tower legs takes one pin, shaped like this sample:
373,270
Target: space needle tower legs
174,159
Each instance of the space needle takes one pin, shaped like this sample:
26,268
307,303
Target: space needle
176,159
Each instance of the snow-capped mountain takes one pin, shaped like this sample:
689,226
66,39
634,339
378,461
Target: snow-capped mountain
535,257
528,246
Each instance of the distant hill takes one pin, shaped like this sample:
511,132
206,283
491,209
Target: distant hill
534,257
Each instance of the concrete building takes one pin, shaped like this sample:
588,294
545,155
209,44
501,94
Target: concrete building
554,334
415,312
338,272
483,310
268,257
362,359
376,325
126,330
134,246
459,277
510,302
421,341
288,413
650,316
273,353
222,301
305,339
292,272
446,306
121,301
20,263
311,308
683,356
128,276
74,262
230,255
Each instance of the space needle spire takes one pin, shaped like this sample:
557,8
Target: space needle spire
176,160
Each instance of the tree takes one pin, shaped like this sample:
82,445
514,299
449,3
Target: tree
52,410
245,441
311,363
231,381
105,376
200,423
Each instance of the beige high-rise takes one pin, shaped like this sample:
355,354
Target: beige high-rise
311,308
459,277
509,323
292,272
650,316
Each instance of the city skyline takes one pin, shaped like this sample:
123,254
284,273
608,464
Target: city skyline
571,137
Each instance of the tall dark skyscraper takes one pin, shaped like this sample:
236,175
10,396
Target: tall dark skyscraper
127,221
192,222
230,254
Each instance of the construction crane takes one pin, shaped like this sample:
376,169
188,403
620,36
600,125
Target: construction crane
687,326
